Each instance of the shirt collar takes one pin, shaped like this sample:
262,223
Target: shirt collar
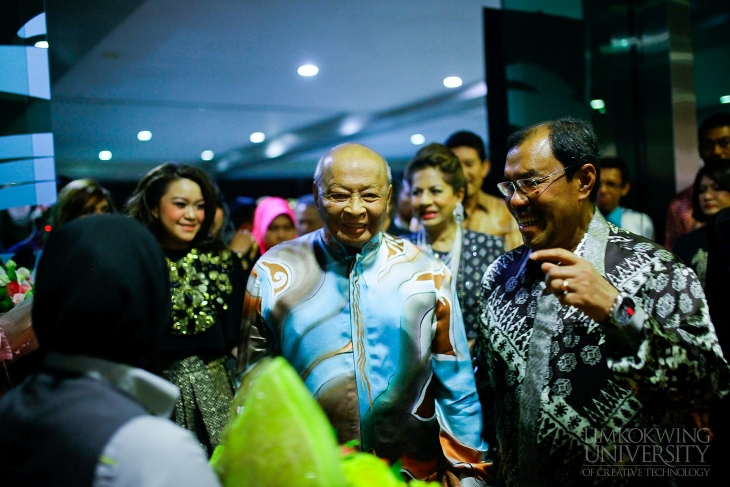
156,395
340,251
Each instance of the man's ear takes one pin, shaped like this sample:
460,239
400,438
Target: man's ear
586,177
315,193
486,166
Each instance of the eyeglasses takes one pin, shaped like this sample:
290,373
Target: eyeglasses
526,186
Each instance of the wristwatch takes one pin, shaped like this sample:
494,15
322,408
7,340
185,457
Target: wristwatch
622,311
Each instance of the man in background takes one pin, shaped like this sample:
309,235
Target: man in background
714,145
308,219
614,185
484,213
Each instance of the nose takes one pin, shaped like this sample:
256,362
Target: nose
189,212
517,199
355,205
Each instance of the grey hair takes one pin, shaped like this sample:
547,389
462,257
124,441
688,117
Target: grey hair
320,164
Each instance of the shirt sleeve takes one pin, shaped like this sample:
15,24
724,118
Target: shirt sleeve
154,452
457,404
669,355
255,338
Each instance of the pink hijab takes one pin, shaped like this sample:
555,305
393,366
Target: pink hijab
268,209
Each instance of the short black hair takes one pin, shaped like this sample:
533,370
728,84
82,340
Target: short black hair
616,163
573,142
714,121
467,139
719,172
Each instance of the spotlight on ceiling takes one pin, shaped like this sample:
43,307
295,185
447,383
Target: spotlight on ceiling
452,82
308,70
144,135
257,137
207,155
417,139
105,155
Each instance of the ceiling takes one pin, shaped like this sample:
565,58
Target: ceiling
205,75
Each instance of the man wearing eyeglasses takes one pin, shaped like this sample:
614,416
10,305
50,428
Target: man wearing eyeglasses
587,331
369,322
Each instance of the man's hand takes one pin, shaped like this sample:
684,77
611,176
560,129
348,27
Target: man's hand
575,282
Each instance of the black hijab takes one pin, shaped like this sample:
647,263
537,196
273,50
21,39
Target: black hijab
102,290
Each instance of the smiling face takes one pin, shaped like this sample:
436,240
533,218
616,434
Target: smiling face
353,199
181,212
433,200
712,197
475,169
554,215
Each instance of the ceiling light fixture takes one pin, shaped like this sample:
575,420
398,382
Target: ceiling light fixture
417,139
207,155
144,135
725,99
105,155
452,82
257,137
308,70
41,44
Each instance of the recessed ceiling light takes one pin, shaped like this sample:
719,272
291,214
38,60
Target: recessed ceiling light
417,139
257,137
725,99
105,155
308,70
207,155
41,44
144,135
452,82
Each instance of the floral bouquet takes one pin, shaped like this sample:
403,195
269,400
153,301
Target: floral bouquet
15,285
278,436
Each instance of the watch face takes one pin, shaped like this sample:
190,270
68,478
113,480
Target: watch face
625,311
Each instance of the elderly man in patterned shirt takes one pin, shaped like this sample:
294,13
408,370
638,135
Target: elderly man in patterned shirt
370,323
595,347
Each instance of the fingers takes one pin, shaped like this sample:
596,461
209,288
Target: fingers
556,256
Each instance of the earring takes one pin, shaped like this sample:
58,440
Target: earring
459,213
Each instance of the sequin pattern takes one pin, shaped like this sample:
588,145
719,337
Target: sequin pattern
200,288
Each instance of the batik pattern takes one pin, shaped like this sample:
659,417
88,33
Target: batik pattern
553,375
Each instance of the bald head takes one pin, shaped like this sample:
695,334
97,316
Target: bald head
348,154
352,189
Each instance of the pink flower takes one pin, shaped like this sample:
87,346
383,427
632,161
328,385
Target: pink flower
18,298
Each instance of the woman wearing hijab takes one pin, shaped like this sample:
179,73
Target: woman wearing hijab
177,203
95,415
273,223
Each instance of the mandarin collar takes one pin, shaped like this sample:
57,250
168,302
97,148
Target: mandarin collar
340,252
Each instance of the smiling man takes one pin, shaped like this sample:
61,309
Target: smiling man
586,330
371,325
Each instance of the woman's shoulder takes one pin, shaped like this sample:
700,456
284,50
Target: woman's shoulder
483,239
